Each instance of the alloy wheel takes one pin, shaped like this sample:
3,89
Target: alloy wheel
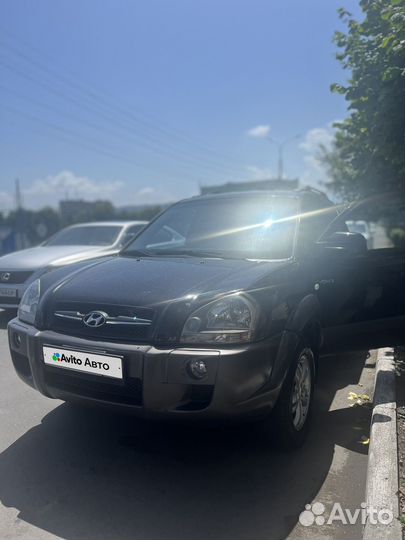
302,388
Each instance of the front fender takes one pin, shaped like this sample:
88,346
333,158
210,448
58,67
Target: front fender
303,322
306,313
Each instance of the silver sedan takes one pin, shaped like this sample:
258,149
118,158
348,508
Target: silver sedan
72,244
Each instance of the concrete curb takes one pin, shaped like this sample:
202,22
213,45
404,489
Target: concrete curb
382,470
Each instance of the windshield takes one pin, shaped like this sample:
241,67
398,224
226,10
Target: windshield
105,235
250,227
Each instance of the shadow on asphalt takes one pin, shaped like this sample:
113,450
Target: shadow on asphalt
85,473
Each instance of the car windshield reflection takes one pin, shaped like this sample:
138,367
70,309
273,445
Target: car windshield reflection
86,236
262,227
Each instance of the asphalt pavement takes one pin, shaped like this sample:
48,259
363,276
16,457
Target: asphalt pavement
74,473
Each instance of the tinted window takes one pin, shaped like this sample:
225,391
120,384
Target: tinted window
130,233
248,227
381,220
315,217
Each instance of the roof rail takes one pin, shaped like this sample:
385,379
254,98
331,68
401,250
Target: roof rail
310,189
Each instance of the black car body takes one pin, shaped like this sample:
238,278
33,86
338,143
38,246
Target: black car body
214,332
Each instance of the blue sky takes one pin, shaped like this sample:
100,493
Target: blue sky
141,101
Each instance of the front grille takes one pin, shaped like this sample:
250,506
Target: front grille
118,331
14,278
128,392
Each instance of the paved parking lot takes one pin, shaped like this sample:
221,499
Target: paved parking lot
71,473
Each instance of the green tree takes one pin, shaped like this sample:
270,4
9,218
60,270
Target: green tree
368,153
36,226
89,211
146,214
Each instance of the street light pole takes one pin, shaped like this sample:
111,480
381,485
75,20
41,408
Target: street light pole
280,162
280,147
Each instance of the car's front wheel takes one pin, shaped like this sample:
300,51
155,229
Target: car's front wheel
292,413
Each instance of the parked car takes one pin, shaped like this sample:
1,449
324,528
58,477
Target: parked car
76,243
217,310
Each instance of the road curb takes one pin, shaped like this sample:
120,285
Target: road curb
382,469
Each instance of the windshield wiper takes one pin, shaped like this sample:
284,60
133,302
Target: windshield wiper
135,253
187,253
197,253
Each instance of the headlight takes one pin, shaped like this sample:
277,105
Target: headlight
231,319
27,309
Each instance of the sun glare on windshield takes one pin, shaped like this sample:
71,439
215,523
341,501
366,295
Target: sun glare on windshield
242,227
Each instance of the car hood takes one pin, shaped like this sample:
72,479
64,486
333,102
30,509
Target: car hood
42,256
157,281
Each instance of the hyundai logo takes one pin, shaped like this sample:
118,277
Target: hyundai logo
5,276
94,319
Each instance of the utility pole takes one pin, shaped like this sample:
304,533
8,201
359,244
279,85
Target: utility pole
280,148
20,223
280,162
18,197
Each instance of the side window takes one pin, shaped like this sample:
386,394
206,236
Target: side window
315,217
130,234
381,220
166,236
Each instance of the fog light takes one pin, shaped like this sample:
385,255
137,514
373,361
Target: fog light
197,368
17,340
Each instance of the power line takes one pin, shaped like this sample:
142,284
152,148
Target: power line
97,98
75,139
52,136
183,163
111,120
71,136
149,120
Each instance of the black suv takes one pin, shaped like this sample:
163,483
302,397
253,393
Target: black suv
218,309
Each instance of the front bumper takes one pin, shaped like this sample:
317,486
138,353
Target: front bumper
12,301
155,382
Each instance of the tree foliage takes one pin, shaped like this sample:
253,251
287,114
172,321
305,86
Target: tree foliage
368,153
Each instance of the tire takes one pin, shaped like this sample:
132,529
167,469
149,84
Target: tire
292,413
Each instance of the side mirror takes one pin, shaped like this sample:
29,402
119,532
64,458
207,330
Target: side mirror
344,242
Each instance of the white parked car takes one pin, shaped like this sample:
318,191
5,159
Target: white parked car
70,245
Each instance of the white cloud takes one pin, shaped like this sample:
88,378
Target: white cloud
152,195
146,191
66,183
314,173
259,173
316,137
260,131
50,190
